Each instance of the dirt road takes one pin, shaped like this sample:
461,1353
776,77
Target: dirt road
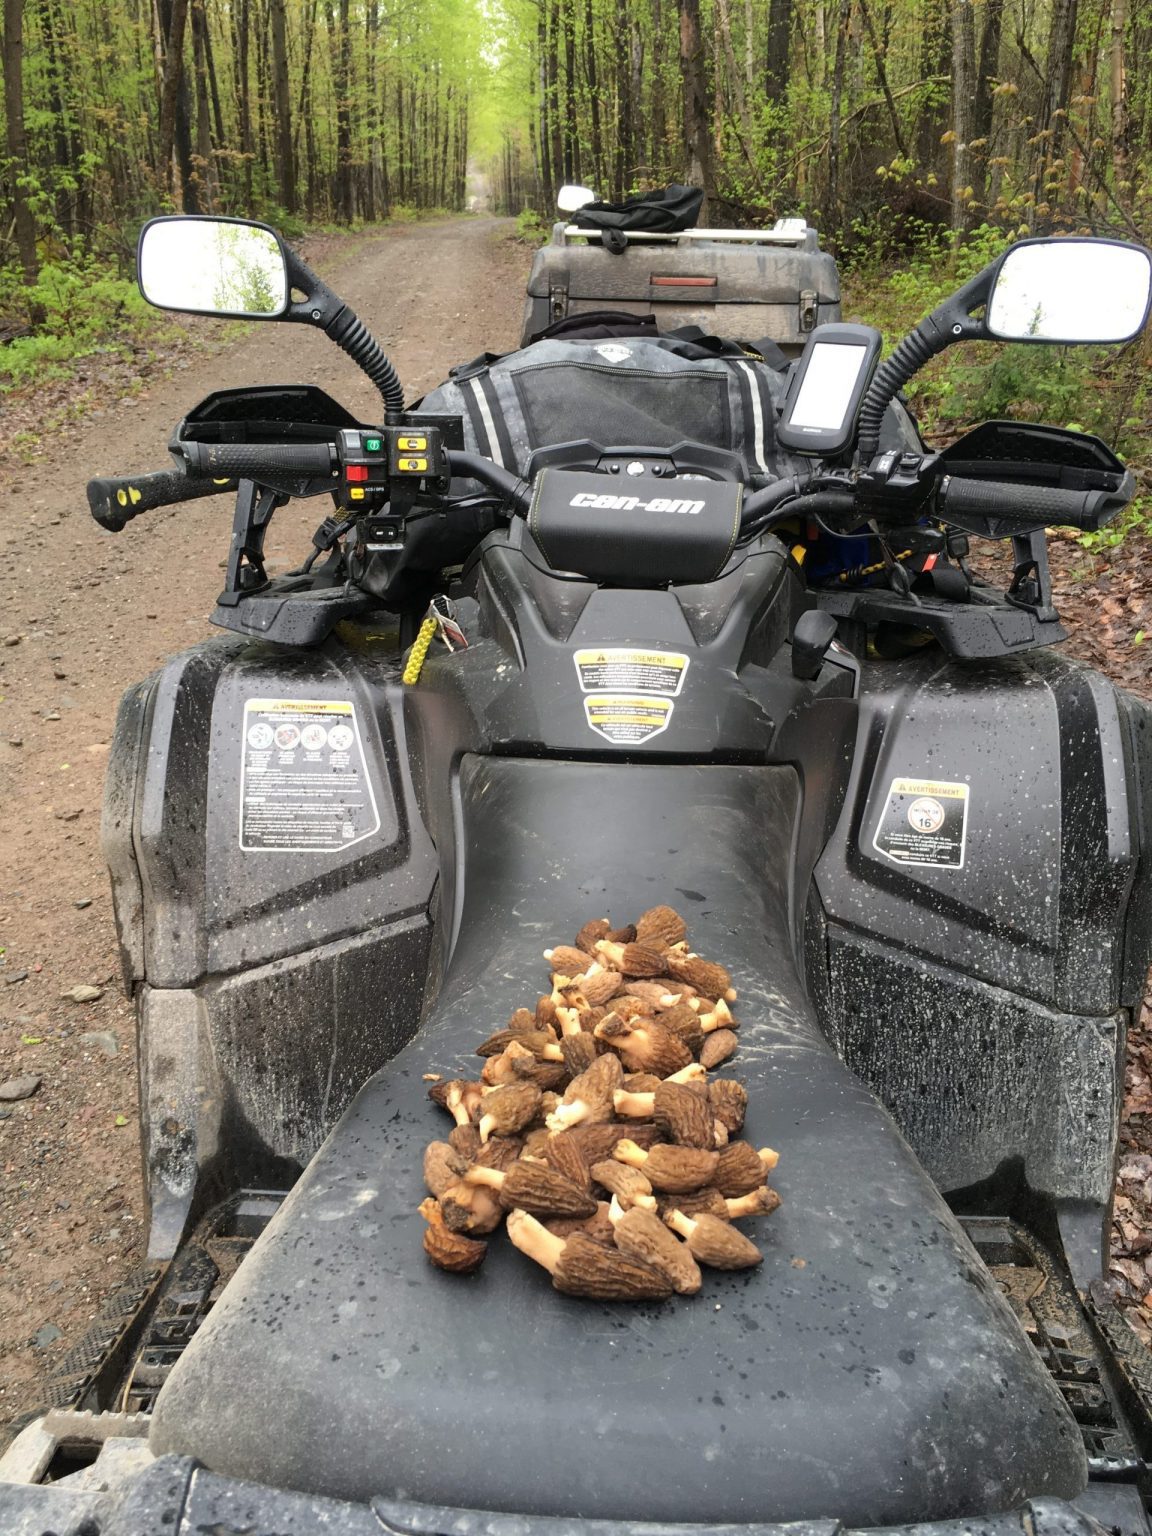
82,615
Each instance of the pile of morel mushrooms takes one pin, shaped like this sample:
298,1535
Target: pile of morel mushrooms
597,1130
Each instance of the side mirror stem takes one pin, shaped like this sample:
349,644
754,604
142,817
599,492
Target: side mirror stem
328,312
948,323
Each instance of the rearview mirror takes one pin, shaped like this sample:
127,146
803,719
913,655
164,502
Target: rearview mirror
570,198
213,267
1070,290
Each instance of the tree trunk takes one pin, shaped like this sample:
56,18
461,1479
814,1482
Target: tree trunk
282,107
983,101
241,34
963,69
17,139
170,87
935,60
204,169
836,104
779,49
593,97
697,114
882,77
64,141
543,130
1058,68
1119,92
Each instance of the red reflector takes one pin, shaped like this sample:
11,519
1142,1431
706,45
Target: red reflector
682,282
356,472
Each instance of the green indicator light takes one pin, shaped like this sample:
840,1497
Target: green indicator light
373,444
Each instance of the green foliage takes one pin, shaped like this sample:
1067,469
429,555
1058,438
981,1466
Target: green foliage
531,228
1136,522
86,309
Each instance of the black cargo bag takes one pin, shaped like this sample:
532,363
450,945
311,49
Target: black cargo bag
653,213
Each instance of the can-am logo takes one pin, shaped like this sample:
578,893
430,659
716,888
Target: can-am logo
632,503
612,352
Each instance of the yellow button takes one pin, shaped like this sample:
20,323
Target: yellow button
357,493
412,466
413,444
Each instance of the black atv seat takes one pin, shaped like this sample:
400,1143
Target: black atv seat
868,1370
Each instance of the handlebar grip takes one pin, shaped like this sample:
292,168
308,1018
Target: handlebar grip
249,461
115,500
1036,505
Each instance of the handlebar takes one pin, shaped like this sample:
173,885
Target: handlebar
1037,505
247,461
474,466
116,500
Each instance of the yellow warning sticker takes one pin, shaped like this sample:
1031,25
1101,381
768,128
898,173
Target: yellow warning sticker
924,822
625,718
627,669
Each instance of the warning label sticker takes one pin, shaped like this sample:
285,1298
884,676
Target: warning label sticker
924,821
624,669
626,718
304,784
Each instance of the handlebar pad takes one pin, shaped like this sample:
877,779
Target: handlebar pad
249,461
1040,505
116,500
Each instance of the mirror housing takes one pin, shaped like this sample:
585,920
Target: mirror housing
254,266
1014,291
571,198
209,266
1068,291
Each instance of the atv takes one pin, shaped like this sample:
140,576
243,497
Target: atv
618,620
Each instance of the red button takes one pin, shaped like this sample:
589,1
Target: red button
356,472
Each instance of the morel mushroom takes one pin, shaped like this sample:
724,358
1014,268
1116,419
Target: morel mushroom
662,924
696,1202
667,1168
627,1185
447,1249
541,1042
717,1048
504,1111
642,1235
600,984
643,1045
758,1202
465,1139
718,1017
591,934
714,1242
564,1154
567,960
443,1166
460,1099
597,1141
729,1101
588,1098
581,1266
705,977
742,1168
535,1187
471,1209
598,1226
633,959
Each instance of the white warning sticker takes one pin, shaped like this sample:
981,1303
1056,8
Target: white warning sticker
627,669
924,822
625,719
304,781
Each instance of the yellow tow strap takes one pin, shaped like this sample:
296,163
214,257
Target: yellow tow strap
419,650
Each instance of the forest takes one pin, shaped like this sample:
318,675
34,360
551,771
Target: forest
909,132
